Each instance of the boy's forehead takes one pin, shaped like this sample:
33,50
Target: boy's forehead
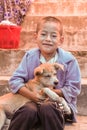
50,25
43,24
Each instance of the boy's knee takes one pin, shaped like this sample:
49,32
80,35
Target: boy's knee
28,110
45,108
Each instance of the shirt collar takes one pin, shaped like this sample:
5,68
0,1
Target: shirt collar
52,60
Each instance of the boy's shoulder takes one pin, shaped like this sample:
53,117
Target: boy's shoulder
65,52
66,55
32,51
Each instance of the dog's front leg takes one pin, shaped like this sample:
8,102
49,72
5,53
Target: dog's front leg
56,97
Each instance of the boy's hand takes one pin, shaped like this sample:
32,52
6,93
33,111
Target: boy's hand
36,98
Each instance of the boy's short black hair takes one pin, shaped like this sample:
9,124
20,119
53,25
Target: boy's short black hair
50,19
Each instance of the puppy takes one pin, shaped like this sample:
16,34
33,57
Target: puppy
44,79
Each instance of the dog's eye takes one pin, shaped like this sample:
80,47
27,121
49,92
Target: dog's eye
47,76
55,73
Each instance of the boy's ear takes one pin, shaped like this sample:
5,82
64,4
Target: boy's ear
62,39
35,35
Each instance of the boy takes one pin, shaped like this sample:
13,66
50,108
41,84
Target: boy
49,35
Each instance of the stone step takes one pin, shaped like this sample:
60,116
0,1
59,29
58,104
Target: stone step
4,87
55,7
69,22
80,125
81,100
84,81
75,32
4,80
10,59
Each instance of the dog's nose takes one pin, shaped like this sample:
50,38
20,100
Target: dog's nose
56,82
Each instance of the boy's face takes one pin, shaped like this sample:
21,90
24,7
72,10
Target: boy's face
48,37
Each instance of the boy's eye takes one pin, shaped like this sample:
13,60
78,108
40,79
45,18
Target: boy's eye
54,36
43,34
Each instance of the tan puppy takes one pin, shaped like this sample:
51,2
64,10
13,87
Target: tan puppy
45,77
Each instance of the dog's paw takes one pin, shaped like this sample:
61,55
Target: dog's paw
51,94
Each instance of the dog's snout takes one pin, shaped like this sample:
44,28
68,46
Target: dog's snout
56,82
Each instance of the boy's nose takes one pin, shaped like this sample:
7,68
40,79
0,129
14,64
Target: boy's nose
48,38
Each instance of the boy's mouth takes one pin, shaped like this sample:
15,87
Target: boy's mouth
47,44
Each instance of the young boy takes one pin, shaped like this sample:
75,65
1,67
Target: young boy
49,35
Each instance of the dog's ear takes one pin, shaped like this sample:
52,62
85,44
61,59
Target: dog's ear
38,71
58,66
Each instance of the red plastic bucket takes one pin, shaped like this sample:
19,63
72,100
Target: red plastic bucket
9,36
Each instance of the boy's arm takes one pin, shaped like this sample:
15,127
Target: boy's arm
72,85
20,76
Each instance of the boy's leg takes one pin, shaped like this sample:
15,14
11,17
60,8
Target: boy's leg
25,118
51,117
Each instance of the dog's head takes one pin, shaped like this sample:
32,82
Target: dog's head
46,74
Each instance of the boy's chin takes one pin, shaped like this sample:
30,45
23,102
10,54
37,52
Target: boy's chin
49,51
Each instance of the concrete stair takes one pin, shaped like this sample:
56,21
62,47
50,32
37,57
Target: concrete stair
81,100
72,13
10,59
80,125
